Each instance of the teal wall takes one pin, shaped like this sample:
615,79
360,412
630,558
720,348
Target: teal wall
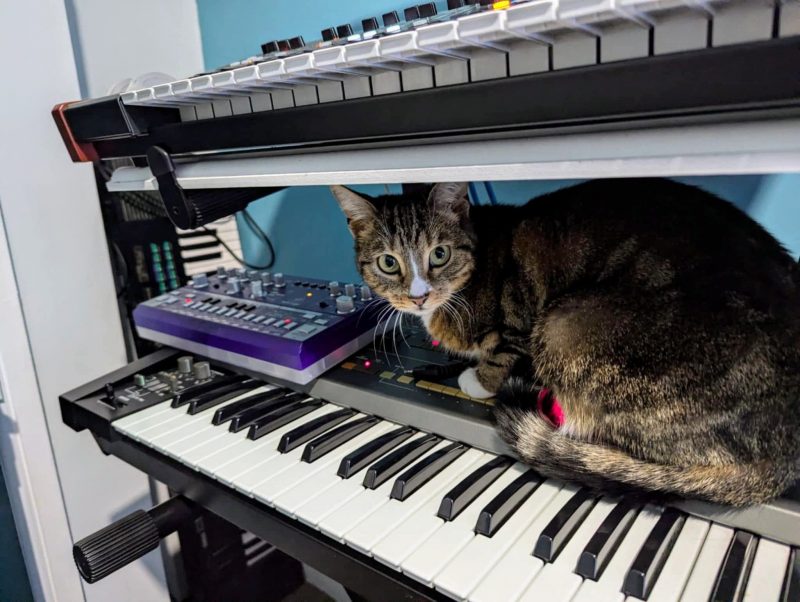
14,584
306,227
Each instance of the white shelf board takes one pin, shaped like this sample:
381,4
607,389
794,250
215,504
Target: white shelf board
720,149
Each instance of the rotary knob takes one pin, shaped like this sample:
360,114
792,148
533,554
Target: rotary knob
200,281
185,363
350,290
279,280
221,273
202,370
266,278
256,289
234,286
366,294
345,304
335,288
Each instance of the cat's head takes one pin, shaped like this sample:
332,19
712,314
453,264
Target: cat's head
416,251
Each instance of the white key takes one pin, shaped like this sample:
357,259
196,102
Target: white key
709,562
679,564
557,581
234,462
126,424
520,554
766,575
446,542
376,526
361,506
266,467
412,533
476,559
609,586
163,423
318,507
301,481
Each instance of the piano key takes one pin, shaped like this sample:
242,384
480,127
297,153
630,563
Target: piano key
558,531
460,496
648,563
221,395
288,490
235,462
313,511
411,533
603,544
432,556
506,503
326,443
791,583
477,559
378,524
390,465
337,524
144,419
678,567
556,581
735,569
277,418
767,573
245,418
309,430
185,396
705,570
609,586
423,471
230,410
369,452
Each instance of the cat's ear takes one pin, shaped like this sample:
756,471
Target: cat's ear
450,198
359,211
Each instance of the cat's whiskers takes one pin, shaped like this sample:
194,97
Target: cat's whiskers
398,316
384,311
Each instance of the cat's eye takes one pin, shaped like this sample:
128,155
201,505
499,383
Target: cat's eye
439,256
388,264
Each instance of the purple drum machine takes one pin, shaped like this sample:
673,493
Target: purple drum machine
279,325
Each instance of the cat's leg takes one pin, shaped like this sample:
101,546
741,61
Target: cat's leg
499,355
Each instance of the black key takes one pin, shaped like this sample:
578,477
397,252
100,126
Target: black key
427,10
267,48
218,396
396,461
604,542
283,45
230,410
370,24
791,584
328,34
454,4
190,393
735,569
556,534
500,509
278,418
342,31
460,496
651,558
390,18
296,42
332,439
369,452
247,417
424,470
309,430
411,13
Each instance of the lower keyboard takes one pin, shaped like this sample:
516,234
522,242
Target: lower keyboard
471,524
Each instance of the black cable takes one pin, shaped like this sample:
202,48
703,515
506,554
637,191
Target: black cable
234,255
256,229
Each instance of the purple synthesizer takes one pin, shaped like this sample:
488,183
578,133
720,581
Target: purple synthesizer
279,325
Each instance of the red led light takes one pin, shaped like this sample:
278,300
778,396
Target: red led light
367,363
287,320
435,343
187,300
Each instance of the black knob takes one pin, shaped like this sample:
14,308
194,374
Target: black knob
131,537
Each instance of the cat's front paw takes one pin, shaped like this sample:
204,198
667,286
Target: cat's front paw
469,383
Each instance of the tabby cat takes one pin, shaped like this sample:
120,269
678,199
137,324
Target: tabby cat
663,320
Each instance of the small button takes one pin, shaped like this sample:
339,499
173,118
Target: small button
309,316
321,321
268,321
348,365
405,380
290,325
307,328
240,314
258,319
249,317
386,375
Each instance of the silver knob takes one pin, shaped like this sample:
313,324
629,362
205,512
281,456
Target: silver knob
350,290
345,305
256,289
185,363
200,281
266,278
335,288
252,274
222,274
279,280
366,294
234,287
202,370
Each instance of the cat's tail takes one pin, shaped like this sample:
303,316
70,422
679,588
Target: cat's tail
556,453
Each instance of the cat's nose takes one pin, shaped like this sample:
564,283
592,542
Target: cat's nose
419,301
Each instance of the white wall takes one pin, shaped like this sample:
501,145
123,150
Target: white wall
59,325
116,39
